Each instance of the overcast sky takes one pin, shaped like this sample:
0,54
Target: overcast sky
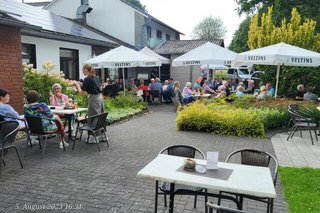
183,15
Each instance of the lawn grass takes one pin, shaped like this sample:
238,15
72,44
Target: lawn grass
301,188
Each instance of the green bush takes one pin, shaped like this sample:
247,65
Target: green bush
42,81
220,120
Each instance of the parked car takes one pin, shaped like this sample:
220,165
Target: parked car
241,73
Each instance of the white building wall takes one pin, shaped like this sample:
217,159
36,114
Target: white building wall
47,49
66,9
155,26
114,18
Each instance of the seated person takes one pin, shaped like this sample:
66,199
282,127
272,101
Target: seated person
156,89
41,110
57,98
168,93
263,93
270,90
116,87
309,96
187,93
107,90
131,85
226,84
239,91
177,93
300,92
165,85
145,89
207,89
221,92
7,110
250,88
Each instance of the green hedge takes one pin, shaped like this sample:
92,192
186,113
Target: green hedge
223,120
244,116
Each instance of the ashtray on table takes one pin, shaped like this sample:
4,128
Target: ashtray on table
189,165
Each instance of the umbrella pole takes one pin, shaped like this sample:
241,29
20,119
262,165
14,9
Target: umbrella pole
124,81
277,80
159,73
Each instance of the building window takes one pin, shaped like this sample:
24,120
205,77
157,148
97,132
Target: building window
29,54
177,36
69,63
148,32
167,37
159,34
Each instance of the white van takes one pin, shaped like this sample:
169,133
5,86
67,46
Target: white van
241,73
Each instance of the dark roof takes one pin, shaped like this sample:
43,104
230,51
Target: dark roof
183,46
151,17
39,4
9,20
51,23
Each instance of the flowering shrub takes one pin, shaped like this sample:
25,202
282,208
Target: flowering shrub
42,81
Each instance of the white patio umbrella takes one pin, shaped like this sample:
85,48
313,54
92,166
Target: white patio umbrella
279,54
207,53
149,52
122,57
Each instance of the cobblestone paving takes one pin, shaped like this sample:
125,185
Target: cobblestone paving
86,180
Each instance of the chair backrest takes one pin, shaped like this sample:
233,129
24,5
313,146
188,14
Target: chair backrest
8,131
35,125
256,157
182,151
99,121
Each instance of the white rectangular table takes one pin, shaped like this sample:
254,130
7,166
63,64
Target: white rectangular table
68,113
246,180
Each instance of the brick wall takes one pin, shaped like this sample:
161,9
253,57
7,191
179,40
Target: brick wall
10,65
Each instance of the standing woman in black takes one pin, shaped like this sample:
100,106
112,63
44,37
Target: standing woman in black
91,85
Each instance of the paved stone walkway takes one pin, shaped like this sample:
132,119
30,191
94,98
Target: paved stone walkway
298,151
106,181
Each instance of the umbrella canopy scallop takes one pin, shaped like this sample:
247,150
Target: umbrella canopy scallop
122,57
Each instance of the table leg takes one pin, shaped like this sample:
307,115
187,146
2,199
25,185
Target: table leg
69,127
156,198
171,201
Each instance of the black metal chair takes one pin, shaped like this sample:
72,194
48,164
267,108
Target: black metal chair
36,128
223,209
92,125
156,94
302,122
299,109
255,157
23,129
182,151
8,132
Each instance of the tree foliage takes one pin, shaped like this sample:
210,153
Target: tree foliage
137,4
239,41
263,32
209,28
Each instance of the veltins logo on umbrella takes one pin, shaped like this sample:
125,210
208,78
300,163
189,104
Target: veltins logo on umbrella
122,64
191,62
301,60
257,58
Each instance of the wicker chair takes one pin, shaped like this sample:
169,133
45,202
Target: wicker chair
302,122
182,151
8,132
255,157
